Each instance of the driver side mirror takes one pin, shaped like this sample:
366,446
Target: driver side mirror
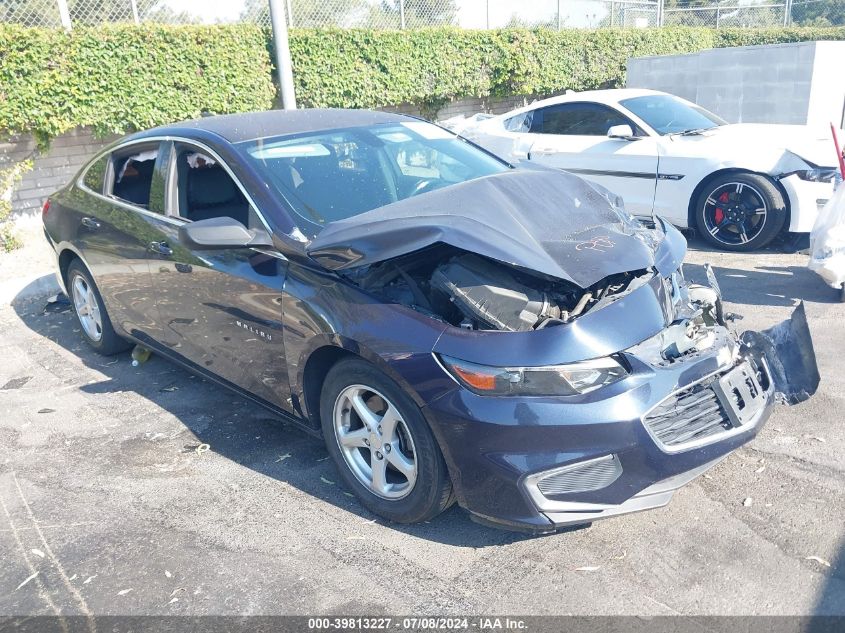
623,132
220,233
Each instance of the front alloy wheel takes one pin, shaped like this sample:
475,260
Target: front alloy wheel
382,445
375,442
740,212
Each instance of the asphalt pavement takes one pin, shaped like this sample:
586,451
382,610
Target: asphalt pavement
150,491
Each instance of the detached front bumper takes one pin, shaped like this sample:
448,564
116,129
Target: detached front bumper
539,464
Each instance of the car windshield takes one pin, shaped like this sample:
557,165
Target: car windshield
342,173
670,115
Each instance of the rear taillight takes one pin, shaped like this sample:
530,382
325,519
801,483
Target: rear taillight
45,209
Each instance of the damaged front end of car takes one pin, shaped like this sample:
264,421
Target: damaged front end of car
590,378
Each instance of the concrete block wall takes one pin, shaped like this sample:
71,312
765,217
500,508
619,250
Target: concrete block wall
51,170
69,152
797,83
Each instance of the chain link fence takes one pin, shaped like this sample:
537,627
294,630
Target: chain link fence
410,14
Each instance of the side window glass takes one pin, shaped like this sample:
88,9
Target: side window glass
204,189
96,173
520,122
133,177
581,119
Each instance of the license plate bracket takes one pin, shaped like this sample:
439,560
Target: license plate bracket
740,394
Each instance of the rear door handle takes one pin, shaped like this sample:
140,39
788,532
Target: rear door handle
161,248
90,223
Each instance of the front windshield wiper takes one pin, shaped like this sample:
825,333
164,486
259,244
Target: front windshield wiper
693,131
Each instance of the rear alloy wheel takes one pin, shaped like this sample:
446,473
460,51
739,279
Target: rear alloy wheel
740,212
91,312
381,444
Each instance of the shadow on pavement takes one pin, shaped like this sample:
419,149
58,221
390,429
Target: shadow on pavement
831,600
233,427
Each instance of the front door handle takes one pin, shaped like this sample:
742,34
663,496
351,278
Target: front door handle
90,223
160,248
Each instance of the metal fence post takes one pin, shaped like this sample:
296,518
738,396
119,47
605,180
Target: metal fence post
290,14
282,48
558,15
402,14
135,16
787,12
64,14
659,12
488,14
718,16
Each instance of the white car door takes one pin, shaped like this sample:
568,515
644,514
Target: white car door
573,136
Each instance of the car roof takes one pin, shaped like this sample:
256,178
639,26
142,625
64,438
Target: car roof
248,126
610,96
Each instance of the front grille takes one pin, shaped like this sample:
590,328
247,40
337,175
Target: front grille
689,415
592,475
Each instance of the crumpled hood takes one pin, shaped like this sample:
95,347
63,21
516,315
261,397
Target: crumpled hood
812,143
547,221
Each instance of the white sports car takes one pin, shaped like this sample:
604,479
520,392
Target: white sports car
739,185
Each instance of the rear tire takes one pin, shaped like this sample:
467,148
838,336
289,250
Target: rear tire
740,212
91,311
387,454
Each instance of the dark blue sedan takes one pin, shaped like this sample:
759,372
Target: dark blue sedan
456,328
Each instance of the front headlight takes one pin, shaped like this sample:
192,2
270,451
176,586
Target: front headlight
552,380
818,174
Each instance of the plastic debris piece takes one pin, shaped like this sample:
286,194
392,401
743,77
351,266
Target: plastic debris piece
326,481
123,592
283,457
588,568
25,582
747,502
46,410
168,574
37,552
140,355
89,579
202,448
827,241
821,561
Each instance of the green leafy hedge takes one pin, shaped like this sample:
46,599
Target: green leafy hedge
121,78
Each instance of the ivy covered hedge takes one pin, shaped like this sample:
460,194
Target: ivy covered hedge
121,78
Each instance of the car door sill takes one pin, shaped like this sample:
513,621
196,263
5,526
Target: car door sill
203,373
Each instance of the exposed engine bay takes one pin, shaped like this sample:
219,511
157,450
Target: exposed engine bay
477,293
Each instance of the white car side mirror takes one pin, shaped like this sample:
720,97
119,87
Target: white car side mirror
621,131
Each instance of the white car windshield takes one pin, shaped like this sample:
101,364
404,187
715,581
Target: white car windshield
669,115
339,174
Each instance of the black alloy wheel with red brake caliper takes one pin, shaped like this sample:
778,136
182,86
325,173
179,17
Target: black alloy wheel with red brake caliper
740,212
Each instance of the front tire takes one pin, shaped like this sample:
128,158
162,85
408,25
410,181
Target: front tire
91,312
381,444
740,212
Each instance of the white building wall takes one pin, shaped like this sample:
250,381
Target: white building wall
798,83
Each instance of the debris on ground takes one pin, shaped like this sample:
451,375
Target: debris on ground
202,448
140,355
747,502
588,568
821,561
16,383
25,582
57,303
326,481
